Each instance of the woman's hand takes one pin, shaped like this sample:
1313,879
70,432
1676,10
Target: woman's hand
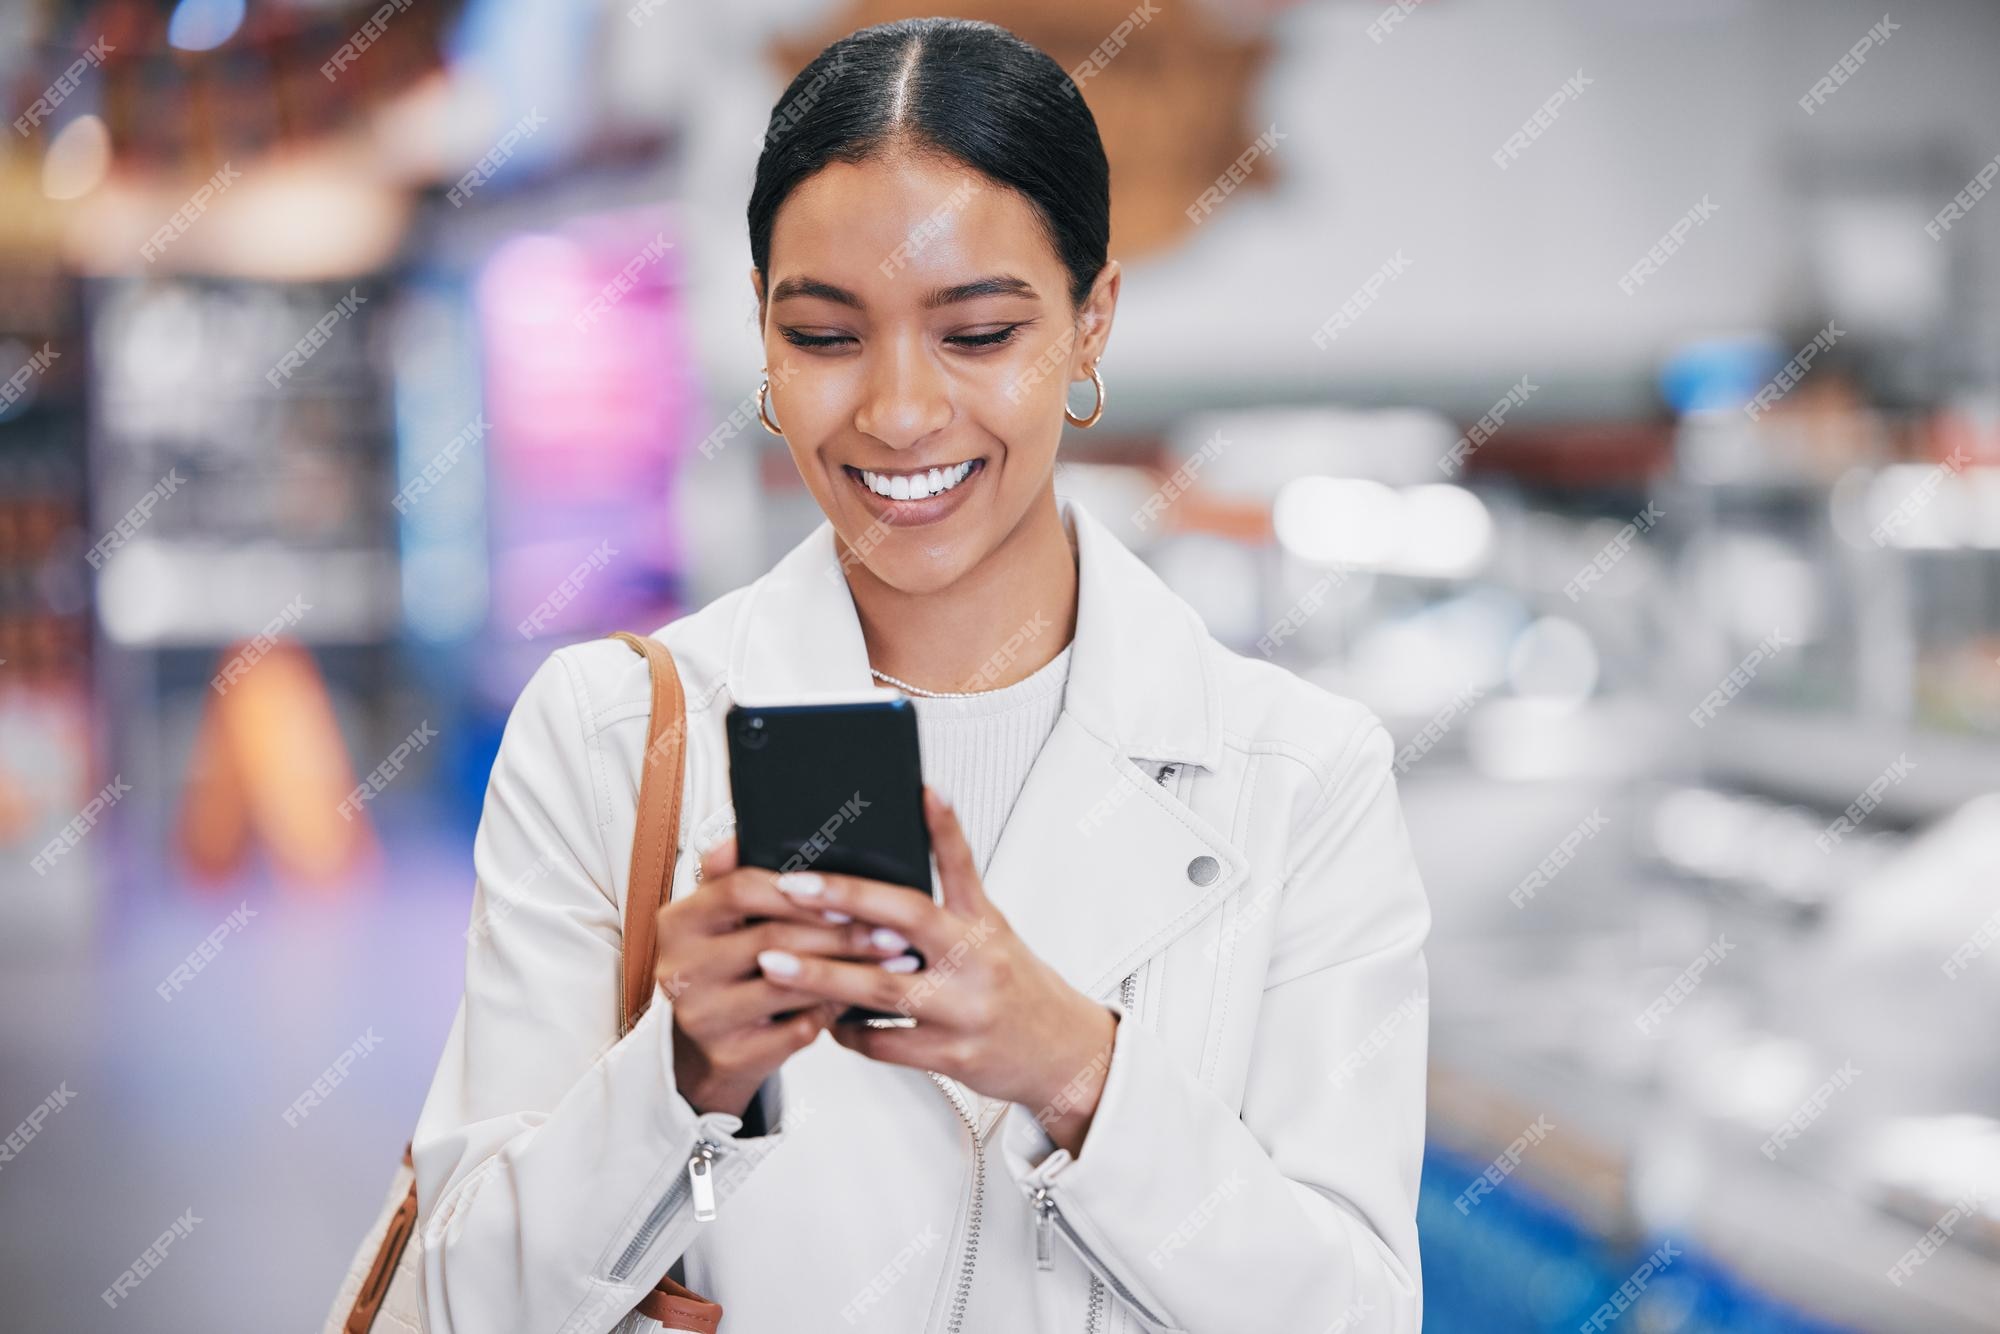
989,1012
731,1027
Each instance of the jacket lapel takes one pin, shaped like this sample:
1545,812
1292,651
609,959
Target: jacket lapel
1093,868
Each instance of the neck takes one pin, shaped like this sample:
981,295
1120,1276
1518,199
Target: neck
1003,619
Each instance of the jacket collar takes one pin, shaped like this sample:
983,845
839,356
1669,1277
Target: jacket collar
1138,677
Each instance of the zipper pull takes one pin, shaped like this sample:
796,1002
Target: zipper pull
699,1182
1044,1250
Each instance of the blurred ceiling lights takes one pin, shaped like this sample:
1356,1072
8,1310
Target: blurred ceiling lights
1430,530
311,214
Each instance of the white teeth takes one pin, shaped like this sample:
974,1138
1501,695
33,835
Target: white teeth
916,486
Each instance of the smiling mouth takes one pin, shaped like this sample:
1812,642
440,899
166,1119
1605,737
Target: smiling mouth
918,485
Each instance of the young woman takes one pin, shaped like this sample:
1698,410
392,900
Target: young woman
1168,1065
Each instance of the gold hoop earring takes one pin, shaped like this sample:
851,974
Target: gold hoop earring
1085,423
763,408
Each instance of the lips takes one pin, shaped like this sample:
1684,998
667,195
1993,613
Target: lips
953,482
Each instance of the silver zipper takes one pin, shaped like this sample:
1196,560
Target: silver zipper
1050,1213
1127,989
1046,1206
970,1255
701,1181
697,1181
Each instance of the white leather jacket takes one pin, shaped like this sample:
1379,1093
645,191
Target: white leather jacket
1207,842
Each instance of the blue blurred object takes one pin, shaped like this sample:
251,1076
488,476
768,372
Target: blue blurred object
203,25
1518,1263
1713,374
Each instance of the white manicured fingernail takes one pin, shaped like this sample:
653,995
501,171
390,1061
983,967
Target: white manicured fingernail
882,938
837,918
778,963
802,884
902,963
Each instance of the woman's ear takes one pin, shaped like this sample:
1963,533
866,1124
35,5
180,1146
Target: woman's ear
757,286
1094,320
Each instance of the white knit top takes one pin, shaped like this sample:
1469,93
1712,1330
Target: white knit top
977,750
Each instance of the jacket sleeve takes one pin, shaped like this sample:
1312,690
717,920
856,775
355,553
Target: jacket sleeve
1299,1214
548,1147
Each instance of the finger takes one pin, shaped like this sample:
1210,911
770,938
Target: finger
770,1042
919,1048
731,956
878,902
865,984
959,885
747,892
714,1010
721,857
860,942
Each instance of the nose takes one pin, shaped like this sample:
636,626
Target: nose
904,398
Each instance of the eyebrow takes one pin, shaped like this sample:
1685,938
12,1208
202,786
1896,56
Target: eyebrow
999,284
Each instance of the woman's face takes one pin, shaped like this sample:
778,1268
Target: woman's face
918,320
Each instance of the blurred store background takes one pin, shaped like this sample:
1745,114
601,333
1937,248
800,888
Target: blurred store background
1607,394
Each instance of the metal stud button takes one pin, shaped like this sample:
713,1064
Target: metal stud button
1203,870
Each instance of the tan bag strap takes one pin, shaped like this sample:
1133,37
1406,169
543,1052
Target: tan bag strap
375,1287
656,837
655,842
678,1308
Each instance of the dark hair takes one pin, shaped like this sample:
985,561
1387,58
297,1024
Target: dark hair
959,89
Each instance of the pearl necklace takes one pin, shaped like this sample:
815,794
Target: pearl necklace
928,694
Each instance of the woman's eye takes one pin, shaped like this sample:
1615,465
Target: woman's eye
994,339
797,339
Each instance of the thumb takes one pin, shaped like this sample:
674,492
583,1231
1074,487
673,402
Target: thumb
958,877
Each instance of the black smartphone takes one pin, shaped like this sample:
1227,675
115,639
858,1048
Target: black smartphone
832,785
